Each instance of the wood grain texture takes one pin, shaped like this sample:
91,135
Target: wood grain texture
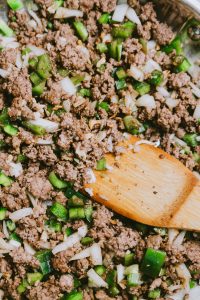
151,187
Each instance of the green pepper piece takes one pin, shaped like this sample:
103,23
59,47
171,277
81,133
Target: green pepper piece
101,164
4,118
102,48
33,62
38,130
87,240
142,87
26,51
14,236
193,283
114,291
68,231
44,257
77,79
15,4
133,279
75,201
49,25
44,66
154,294
5,29
176,44
191,139
3,211
56,182
143,42
121,74
21,158
104,19
10,225
74,295
120,84
104,105
55,226
76,213
81,30
63,72
100,270
153,262
22,287
85,92
35,78
39,89
115,49
131,124
59,211
129,259
10,129
123,31
156,78
88,213
183,66
111,278
32,278
5,180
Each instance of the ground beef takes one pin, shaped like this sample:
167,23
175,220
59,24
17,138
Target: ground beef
48,290
19,256
40,187
179,80
162,33
106,5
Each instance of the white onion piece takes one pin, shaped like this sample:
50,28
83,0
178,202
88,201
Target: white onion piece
150,66
172,103
163,91
172,234
52,9
36,50
67,105
195,90
71,240
89,191
178,295
15,169
44,142
8,42
107,38
32,23
179,239
49,126
14,243
146,101
132,16
120,273
96,255
19,63
194,293
5,73
5,230
63,12
179,142
120,12
35,17
91,176
136,73
83,254
5,246
196,114
68,86
82,231
184,273
96,279
28,249
20,214
151,45
44,236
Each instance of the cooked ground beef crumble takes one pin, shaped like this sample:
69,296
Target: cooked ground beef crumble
70,90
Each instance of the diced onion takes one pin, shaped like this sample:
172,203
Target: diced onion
179,239
91,176
28,249
71,240
19,63
146,101
35,17
131,269
5,246
83,254
120,273
96,279
107,38
194,293
32,23
63,12
179,141
8,42
49,126
52,9
15,169
178,295
150,66
68,86
5,73
96,255
196,114
120,12
171,103
184,273
195,90
44,142
67,105
5,230
14,243
163,91
172,234
132,16
44,236
151,45
21,213
136,73
36,50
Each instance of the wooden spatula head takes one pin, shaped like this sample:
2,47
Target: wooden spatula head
149,186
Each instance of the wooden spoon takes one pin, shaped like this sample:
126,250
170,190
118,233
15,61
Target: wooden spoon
150,187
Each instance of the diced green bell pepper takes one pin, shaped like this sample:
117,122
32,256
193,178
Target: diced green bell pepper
152,262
